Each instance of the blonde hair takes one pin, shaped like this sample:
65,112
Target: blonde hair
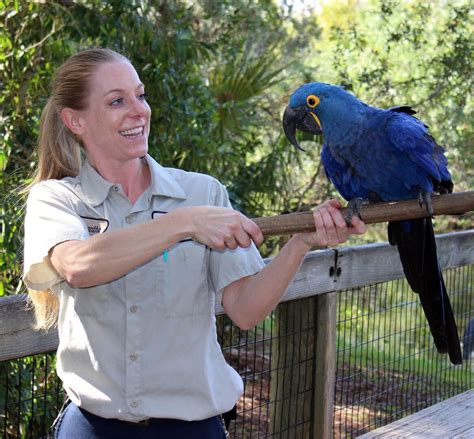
59,149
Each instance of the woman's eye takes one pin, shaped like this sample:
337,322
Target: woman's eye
117,101
142,97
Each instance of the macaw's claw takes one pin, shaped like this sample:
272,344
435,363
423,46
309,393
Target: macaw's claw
353,209
424,197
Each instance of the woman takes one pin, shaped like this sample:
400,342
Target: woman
129,257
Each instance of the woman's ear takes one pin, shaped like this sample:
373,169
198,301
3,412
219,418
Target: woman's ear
73,120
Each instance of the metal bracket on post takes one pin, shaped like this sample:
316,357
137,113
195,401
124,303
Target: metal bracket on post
335,270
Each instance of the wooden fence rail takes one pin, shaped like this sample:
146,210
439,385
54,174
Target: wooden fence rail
322,274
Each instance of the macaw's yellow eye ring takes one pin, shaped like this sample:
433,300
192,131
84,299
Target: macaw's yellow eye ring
312,101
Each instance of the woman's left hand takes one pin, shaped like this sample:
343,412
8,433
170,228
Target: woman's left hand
331,227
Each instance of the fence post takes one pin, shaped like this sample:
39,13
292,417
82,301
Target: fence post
292,376
290,368
325,366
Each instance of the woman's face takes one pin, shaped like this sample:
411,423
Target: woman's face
116,122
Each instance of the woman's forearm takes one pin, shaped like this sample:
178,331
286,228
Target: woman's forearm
108,256
249,300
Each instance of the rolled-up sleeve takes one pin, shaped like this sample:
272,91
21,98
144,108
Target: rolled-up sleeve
227,266
50,219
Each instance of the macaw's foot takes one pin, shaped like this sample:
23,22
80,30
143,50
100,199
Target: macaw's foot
424,197
353,209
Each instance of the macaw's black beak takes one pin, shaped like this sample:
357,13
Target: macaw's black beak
301,119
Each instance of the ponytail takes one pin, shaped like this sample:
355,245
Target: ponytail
59,152
46,308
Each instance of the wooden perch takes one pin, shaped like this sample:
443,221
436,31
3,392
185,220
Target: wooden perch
447,204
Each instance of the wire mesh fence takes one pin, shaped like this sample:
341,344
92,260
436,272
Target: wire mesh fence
276,362
387,366
31,396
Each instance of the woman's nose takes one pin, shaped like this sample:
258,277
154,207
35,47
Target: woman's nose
140,108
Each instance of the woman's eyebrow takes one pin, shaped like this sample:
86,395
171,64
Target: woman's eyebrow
120,90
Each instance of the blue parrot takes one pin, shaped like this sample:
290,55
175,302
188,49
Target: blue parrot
384,155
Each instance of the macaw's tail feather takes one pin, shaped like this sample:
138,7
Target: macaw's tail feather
417,248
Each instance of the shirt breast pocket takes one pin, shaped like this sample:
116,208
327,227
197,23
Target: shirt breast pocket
91,302
183,289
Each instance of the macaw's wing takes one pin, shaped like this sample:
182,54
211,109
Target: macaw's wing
394,158
411,137
343,176
373,164
403,109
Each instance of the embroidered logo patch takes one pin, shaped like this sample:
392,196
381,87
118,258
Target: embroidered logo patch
95,225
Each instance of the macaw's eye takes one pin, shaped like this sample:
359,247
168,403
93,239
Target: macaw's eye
312,101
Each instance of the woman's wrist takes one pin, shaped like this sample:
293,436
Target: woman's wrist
301,246
181,220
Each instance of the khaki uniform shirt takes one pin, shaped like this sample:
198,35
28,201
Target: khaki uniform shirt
145,344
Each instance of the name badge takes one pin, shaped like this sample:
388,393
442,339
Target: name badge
95,225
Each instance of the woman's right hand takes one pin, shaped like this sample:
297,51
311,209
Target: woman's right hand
220,227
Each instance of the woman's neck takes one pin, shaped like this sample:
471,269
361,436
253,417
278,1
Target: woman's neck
134,176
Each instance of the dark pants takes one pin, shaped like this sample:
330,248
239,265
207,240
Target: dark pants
76,423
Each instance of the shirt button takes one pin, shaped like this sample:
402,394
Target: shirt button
129,219
134,403
134,308
116,188
133,357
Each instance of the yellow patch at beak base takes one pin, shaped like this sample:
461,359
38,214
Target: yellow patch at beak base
317,120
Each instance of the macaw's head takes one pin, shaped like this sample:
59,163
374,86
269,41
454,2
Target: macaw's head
317,108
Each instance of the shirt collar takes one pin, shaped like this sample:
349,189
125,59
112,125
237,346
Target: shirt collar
96,187
162,183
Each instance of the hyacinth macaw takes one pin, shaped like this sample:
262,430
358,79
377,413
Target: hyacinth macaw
384,155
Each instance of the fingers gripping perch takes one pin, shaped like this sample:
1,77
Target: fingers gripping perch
331,227
221,228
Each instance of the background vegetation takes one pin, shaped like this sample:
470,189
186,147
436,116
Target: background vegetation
218,76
